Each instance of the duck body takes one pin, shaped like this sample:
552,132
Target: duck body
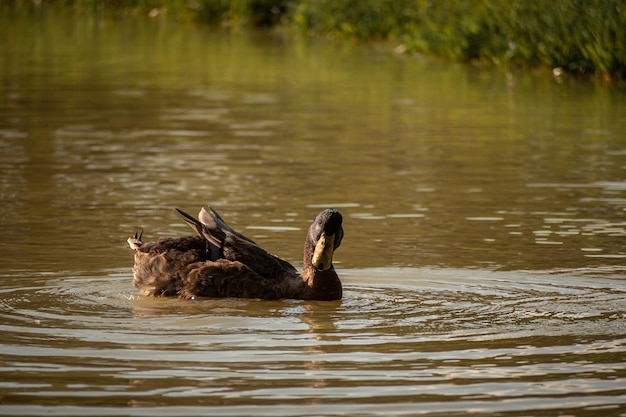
220,262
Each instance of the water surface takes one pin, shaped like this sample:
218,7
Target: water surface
483,262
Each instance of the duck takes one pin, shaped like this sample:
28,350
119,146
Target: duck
219,262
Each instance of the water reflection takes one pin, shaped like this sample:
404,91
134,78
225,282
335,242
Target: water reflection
450,197
466,339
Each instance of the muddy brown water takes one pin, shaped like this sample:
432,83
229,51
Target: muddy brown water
483,261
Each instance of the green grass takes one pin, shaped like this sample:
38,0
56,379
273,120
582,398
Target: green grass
577,36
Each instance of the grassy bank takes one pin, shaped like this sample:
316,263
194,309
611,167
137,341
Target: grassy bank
576,36
579,36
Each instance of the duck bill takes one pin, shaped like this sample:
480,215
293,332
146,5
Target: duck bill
323,255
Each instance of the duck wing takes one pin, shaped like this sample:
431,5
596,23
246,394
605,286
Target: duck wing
213,238
224,278
226,243
214,221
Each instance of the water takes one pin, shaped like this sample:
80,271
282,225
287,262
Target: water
432,341
483,262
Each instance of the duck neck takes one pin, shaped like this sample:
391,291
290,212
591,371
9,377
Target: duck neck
321,284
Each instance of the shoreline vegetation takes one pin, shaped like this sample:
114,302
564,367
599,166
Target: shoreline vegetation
582,37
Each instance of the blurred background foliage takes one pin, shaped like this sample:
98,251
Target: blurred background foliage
576,36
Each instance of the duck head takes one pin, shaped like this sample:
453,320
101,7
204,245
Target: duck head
325,235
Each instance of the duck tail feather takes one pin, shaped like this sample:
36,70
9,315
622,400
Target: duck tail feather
135,241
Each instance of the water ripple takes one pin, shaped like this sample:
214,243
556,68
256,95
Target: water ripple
448,340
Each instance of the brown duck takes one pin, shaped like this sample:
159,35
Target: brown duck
221,262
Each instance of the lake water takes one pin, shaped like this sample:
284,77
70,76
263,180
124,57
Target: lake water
483,263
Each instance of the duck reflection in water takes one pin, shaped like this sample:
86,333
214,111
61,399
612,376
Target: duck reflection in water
220,262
